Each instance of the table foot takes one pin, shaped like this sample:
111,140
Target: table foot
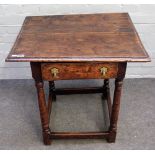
46,137
112,137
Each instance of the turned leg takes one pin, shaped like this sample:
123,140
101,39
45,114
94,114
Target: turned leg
106,95
115,110
51,97
104,90
43,113
52,90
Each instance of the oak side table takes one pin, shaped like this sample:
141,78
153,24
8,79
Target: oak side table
84,46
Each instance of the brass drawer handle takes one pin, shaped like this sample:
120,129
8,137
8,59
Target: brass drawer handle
54,72
103,70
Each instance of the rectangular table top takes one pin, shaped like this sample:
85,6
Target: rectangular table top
102,37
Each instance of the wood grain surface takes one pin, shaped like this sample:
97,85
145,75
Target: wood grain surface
78,71
107,37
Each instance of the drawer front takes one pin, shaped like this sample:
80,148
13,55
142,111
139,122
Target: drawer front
64,71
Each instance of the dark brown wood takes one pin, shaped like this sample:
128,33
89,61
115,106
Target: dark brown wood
88,46
106,95
84,135
116,103
78,70
50,100
115,110
52,96
52,90
36,73
108,37
69,91
49,104
121,70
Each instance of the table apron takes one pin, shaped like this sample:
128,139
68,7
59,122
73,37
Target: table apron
69,71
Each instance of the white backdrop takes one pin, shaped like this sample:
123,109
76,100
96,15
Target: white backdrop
12,16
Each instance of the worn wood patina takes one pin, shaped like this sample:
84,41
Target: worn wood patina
84,46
